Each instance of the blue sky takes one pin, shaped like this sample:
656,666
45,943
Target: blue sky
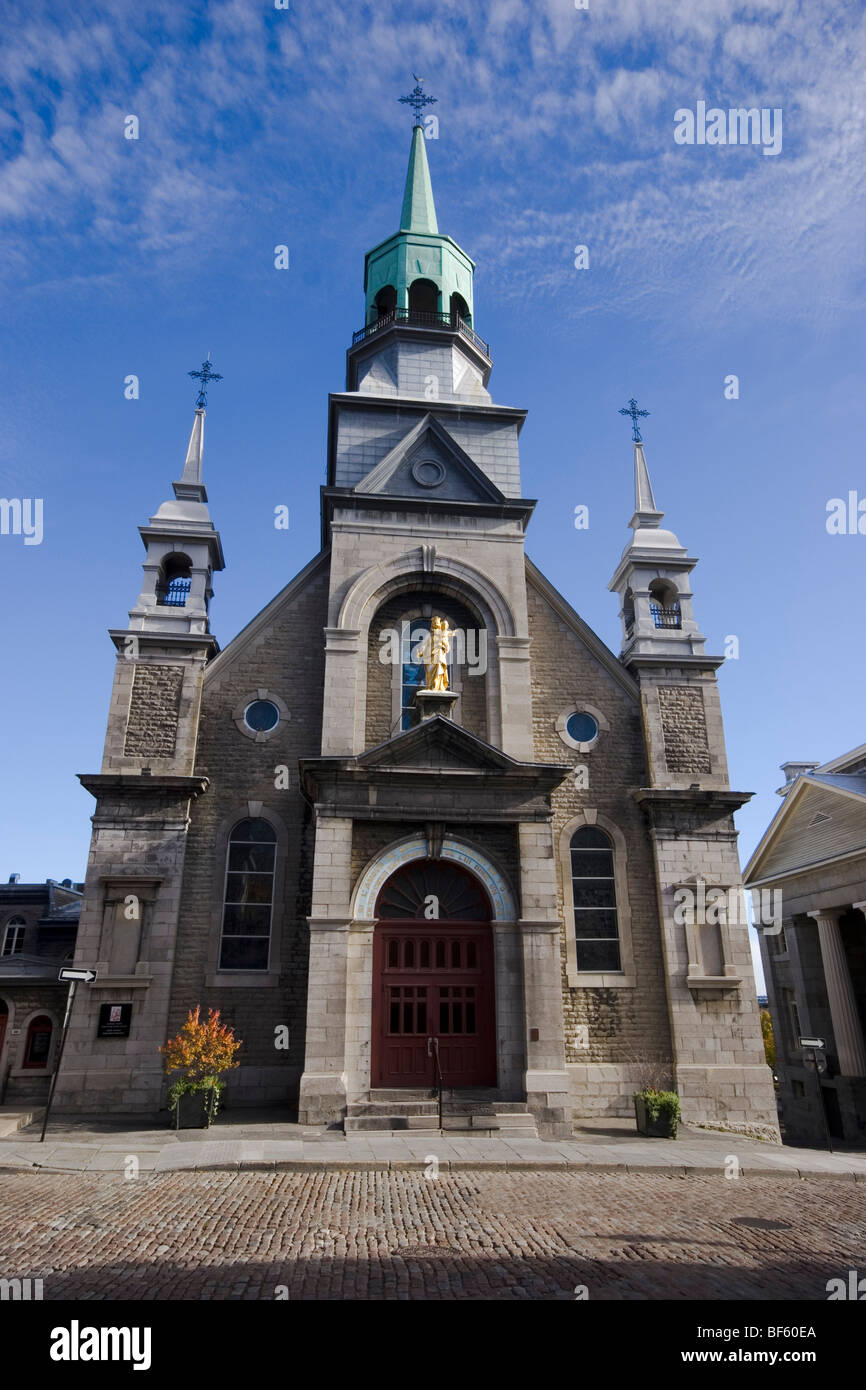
261,126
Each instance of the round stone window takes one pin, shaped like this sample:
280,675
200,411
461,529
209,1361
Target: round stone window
428,472
581,727
261,716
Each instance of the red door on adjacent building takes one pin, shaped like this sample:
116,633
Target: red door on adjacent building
433,979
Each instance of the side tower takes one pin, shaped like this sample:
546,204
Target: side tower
143,793
720,1069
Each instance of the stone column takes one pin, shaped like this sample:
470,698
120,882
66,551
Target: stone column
546,1080
323,1084
840,994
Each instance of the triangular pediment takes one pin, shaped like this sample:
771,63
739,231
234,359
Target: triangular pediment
428,464
822,818
439,744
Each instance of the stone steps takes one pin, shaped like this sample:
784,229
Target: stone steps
418,1113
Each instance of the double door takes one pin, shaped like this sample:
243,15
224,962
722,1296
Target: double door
433,993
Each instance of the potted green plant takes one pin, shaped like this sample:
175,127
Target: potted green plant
201,1052
657,1113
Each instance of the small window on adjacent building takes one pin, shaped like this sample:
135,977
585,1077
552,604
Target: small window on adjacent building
13,937
37,1049
596,928
249,895
790,1000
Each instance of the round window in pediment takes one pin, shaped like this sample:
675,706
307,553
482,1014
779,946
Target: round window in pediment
428,472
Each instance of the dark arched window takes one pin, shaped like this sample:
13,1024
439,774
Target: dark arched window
175,580
37,1049
249,896
596,930
628,612
460,309
385,302
13,937
423,297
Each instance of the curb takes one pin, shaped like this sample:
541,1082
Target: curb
455,1165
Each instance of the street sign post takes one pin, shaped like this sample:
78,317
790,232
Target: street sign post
74,978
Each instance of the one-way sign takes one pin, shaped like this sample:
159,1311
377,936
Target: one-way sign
86,975
811,1042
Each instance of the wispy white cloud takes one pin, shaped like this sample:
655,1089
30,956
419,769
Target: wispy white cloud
557,125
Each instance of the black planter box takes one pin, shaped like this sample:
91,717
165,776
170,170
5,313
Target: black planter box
195,1109
661,1128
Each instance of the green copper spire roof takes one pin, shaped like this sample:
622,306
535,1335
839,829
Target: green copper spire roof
419,210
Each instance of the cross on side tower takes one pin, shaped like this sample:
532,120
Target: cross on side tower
632,410
206,375
417,100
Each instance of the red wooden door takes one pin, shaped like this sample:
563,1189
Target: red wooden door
433,980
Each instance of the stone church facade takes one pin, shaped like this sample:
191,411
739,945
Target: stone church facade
370,881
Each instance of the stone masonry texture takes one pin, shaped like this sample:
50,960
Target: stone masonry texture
684,725
153,708
625,1025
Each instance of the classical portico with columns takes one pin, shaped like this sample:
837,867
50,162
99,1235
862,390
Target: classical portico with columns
813,856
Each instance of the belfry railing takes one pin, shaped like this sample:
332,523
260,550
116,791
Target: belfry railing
421,318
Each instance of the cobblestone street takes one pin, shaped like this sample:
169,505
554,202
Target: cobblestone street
394,1235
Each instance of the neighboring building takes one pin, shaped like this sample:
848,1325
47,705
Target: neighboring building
38,926
814,855
295,831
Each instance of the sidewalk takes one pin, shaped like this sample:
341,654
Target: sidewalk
262,1142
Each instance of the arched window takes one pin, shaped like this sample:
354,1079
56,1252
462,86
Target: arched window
664,604
460,309
596,929
13,937
175,579
423,297
249,896
628,612
37,1049
385,302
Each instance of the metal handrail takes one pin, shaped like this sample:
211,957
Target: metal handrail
433,1051
421,318
664,616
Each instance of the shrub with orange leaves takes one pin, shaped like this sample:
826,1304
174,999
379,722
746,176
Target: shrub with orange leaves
202,1049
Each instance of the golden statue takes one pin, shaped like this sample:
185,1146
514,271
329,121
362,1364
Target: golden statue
435,654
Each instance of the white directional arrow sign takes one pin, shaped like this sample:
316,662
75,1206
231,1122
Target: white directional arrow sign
811,1042
86,975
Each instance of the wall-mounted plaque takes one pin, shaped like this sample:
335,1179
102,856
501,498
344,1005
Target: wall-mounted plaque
114,1020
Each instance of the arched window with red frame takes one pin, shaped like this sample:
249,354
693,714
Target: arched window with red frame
37,1049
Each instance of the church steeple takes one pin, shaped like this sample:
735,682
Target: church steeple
652,575
419,211
183,547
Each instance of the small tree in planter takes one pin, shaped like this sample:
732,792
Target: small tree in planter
657,1110
202,1050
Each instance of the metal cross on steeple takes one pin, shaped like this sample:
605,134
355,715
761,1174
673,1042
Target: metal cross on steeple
632,410
417,100
205,376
